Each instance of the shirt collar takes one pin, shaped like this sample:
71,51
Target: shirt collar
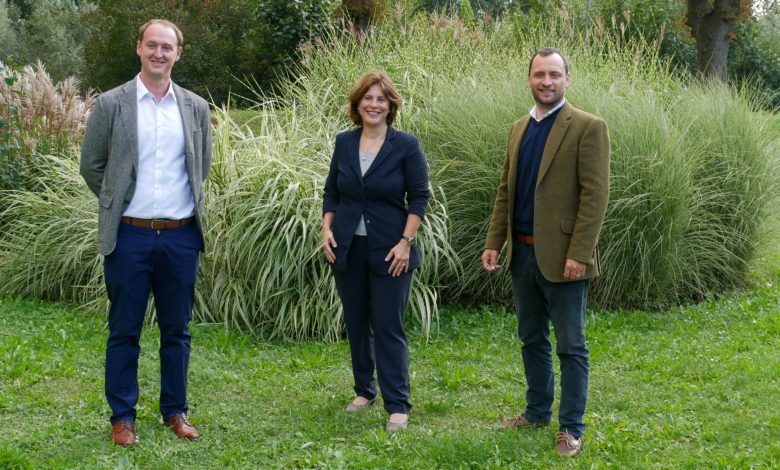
141,91
558,106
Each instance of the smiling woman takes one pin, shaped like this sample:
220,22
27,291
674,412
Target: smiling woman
375,198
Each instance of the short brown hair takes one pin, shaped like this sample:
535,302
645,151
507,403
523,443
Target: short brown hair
360,88
179,36
547,51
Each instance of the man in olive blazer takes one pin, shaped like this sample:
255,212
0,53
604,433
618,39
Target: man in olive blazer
549,209
146,153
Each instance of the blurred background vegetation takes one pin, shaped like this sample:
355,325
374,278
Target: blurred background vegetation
243,46
695,163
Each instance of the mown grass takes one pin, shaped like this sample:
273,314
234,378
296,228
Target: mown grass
694,387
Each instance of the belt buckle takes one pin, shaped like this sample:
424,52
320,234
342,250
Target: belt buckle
151,224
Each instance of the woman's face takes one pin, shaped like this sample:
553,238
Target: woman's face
374,107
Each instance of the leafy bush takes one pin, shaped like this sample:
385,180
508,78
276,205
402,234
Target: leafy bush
229,47
50,31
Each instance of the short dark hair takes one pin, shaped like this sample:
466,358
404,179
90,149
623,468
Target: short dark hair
179,36
360,88
548,51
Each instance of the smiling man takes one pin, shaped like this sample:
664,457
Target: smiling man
550,205
146,153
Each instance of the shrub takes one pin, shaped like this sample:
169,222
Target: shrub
50,31
229,47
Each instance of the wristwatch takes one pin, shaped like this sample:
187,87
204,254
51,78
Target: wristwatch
408,239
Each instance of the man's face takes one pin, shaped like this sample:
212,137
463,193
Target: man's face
158,50
548,80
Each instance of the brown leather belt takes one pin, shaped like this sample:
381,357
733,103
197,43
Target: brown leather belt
523,238
157,224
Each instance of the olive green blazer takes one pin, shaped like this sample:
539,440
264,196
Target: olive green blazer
571,193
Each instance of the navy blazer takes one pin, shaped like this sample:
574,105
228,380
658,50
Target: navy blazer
395,185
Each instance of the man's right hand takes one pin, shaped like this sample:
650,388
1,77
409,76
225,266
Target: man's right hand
489,260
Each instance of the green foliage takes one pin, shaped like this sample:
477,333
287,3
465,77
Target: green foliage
229,47
8,43
694,176
754,58
455,7
664,388
51,31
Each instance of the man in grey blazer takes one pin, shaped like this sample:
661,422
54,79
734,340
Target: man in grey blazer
146,153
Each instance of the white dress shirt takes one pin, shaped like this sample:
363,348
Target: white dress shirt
556,108
162,187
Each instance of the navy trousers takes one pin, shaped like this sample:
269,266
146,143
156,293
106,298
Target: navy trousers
540,302
374,313
164,263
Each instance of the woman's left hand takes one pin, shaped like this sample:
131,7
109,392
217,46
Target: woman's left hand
400,256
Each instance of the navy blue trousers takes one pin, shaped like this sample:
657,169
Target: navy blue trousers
164,263
374,313
539,303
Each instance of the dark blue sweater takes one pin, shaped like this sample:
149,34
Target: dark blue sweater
529,159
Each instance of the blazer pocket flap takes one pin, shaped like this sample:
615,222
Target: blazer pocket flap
567,226
105,200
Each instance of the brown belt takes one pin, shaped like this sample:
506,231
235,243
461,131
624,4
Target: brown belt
157,224
523,238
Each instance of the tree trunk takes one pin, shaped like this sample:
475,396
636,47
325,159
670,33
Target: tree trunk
712,23
360,22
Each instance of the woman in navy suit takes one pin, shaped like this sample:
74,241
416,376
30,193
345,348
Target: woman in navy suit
375,199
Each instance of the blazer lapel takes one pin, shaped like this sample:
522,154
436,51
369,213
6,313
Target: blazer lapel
384,150
185,109
554,140
128,106
353,153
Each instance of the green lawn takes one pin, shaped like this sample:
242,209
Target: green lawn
697,387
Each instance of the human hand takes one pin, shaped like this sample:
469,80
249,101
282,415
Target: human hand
574,270
489,260
400,256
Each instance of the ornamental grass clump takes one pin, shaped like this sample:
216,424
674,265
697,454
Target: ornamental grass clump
37,117
694,175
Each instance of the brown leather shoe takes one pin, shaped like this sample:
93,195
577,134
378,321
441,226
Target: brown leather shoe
566,445
182,427
520,421
123,433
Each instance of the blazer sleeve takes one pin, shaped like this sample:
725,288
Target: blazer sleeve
331,196
205,131
416,178
593,174
496,235
95,146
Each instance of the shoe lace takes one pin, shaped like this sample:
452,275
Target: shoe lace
567,438
182,420
514,421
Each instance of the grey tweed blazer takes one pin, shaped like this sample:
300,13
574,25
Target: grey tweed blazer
109,154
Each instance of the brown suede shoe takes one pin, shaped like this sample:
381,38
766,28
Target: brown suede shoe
182,427
566,445
123,433
520,421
